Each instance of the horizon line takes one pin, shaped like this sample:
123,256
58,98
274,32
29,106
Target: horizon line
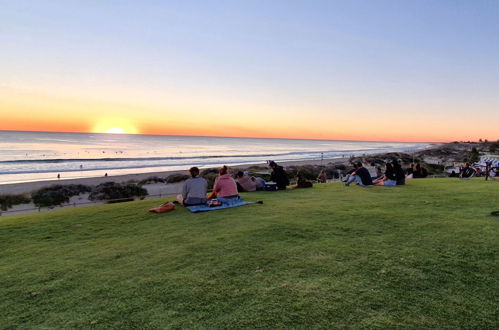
236,137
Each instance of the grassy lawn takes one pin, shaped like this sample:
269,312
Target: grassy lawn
425,255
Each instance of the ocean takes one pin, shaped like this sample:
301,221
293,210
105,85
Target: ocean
38,156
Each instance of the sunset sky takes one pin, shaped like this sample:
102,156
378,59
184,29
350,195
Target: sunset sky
361,70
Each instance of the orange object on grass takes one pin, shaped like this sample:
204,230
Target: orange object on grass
166,207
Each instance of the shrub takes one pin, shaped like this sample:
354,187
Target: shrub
434,168
49,198
332,172
113,190
307,172
152,179
404,157
210,175
176,177
210,178
209,171
57,194
257,168
7,201
341,167
474,155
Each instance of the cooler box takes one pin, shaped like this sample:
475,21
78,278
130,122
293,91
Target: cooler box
270,186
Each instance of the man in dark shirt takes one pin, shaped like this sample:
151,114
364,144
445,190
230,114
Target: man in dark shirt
279,176
361,176
399,173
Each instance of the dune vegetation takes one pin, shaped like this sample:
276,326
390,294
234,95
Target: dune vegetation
424,255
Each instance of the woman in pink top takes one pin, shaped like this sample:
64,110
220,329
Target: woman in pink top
225,185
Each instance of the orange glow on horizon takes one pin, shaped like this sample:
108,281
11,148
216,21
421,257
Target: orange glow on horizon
79,119
115,126
32,109
227,131
284,133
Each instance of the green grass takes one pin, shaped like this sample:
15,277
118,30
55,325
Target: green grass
425,255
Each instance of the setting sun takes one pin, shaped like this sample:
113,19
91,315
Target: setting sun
116,130
115,126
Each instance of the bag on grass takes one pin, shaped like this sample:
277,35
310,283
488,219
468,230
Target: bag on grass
166,207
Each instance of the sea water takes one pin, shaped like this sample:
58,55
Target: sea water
36,156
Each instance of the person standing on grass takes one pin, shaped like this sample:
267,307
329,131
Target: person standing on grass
279,176
194,189
361,176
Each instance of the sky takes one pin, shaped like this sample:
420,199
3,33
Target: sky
343,70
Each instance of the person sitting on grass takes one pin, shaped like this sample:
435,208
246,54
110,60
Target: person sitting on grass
260,182
388,179
467,171
361,176
409,171
194,189
379,173
322,177
301,182
419,172
225,186
399,173
245,182
279,176
347,175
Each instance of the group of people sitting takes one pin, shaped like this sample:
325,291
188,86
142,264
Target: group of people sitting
416,171
369,175
195,189
393,175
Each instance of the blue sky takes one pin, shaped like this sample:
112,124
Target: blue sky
361,69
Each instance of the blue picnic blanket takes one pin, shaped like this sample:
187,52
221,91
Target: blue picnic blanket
227,203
